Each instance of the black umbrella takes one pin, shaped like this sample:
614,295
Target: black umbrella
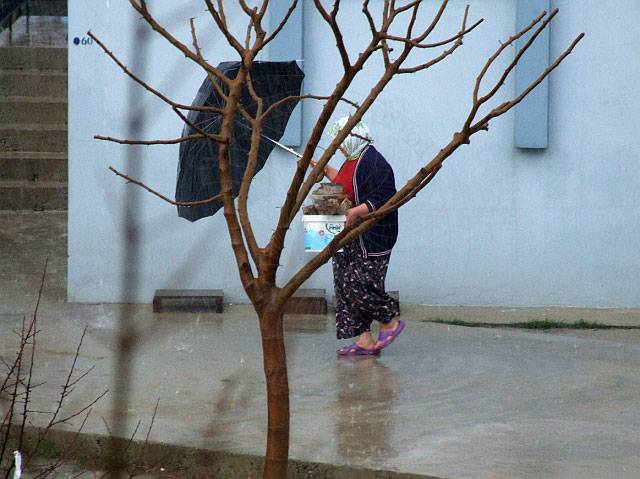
198,164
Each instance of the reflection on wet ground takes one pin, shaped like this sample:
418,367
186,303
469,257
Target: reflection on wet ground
365,408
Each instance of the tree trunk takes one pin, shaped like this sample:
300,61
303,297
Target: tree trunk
275,369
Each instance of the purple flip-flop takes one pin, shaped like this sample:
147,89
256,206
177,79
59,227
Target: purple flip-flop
355,350
387,337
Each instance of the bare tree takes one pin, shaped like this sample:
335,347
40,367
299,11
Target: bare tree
16,394
258,263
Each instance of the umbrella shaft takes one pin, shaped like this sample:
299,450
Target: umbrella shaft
286,148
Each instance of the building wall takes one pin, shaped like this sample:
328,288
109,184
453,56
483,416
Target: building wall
498,226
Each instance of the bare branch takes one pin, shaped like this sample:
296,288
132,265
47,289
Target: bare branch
220,19
303,97
443,6
243,194
153,419
66,385
226,185
133,435
505,107
213,73
436,44
250,12
206,135
411,5
145,85
281,25
194,39
106,425
32,328
447,52
68,448
66,419
330,18
212,79
247,36
369,17
142,10
174,141
429,175
82,376
161,196
517,57
7,421
252,91
136,467
497,53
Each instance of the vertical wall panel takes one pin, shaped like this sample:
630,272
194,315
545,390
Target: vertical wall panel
532,115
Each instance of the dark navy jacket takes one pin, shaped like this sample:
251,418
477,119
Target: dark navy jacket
373,185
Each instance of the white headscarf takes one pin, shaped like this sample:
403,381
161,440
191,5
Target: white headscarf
356,141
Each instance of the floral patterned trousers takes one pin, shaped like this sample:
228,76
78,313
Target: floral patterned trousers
358,284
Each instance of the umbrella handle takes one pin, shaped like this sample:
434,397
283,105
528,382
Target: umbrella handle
293,152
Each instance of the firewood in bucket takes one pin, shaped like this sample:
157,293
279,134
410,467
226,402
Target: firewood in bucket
345,205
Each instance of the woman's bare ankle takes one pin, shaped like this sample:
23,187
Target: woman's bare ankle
391,325
365,340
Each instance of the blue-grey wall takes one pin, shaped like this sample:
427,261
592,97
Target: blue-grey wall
499,226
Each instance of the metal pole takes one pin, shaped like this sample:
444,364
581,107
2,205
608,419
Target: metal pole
28,23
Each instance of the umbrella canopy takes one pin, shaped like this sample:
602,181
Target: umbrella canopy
198,177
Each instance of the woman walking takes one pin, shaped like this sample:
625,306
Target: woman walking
359,270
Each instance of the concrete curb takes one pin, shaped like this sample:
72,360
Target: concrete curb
90,451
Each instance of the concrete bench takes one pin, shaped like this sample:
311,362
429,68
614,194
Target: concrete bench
307,301
188,300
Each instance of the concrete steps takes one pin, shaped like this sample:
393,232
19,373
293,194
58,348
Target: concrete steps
33,128
33,195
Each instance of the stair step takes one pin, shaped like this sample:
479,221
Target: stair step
43,110
33,58
57,8
30,137
44,27
33,83
33,166
30,195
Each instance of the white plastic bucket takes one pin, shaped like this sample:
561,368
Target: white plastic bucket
319,230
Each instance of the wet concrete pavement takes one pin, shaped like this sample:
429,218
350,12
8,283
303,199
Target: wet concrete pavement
444,401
